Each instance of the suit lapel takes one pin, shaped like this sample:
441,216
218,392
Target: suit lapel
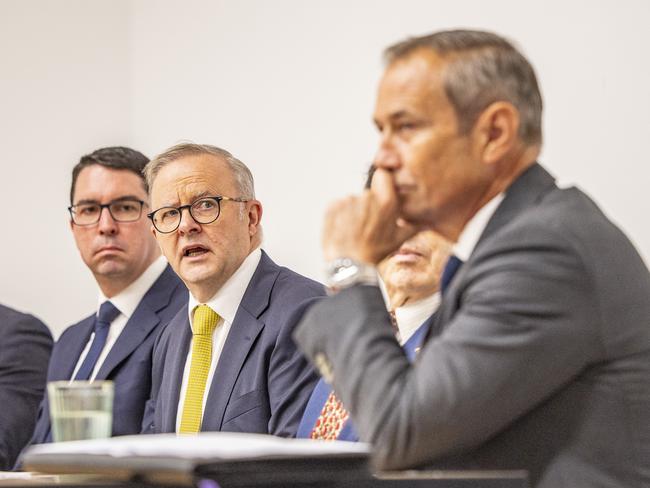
524,192
135,332
243,332
69,349
140,325
180,336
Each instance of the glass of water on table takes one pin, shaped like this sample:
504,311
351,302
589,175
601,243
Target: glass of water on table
80,409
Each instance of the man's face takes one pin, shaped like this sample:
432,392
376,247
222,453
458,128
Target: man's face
434,169
204,255
116,252
413,271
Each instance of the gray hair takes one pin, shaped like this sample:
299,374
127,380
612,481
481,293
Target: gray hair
240,171
483,68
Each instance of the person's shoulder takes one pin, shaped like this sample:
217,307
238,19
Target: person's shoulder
13,320
77,328
290,279
570,216
167,284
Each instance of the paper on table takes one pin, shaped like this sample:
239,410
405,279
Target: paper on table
207,445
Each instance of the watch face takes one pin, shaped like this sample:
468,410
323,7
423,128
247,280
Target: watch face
346,272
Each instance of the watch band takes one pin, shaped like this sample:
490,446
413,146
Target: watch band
346,272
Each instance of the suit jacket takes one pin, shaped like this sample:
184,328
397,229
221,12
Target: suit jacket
323,390
25,347
539,360
262,382
128,363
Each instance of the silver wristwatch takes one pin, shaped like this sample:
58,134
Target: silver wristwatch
345,272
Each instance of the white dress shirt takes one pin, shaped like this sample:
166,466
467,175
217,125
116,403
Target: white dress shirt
472,231
126,302
226,303
412,315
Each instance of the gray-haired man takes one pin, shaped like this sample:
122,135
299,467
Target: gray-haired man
227,362
540,356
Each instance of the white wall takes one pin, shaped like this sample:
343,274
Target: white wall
64,90
288,86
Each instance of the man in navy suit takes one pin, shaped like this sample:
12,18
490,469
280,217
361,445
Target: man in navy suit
138,291
25,346
227,362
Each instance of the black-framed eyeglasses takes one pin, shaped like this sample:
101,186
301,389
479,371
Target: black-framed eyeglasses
204,211
122,210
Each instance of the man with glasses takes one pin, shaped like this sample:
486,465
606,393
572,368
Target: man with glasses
138,291
227,362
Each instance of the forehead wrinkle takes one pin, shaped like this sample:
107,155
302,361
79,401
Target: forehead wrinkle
187,190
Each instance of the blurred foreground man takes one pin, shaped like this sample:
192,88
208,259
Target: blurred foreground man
539,358
227,362
25,347
138,291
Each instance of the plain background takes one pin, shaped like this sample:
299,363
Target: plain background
288,86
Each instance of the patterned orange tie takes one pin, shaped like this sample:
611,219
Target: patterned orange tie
205,321
331,420
333,416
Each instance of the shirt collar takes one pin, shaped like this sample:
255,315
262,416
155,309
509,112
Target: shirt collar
412,315
128,299
472,231
226,301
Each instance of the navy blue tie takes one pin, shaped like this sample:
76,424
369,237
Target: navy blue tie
107,313
452,266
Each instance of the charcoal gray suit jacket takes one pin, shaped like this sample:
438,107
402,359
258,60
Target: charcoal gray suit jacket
539,359
25,347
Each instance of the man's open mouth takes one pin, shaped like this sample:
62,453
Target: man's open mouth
194,251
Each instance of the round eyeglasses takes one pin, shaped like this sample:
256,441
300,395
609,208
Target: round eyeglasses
204,211
122,210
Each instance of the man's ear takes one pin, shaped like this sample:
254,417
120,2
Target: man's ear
254,216
495,132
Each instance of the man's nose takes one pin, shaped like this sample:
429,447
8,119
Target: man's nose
187,224
386,157
106,223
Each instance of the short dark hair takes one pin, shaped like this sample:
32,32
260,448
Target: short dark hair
117,157
482,68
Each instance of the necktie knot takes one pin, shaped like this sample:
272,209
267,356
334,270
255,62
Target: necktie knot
205,320
107,313
452,266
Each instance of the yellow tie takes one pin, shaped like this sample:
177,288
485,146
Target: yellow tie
205,321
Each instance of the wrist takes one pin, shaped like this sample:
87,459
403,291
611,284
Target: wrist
341,273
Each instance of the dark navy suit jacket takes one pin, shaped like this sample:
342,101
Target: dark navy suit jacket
323,389
261,383
128,364
25,346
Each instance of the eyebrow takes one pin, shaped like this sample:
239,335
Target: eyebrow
119,199
400,114
195,197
